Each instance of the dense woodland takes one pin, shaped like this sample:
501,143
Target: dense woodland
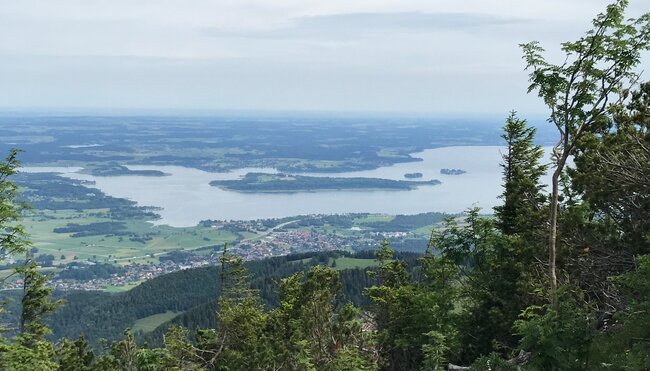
558,279
99,315
262,182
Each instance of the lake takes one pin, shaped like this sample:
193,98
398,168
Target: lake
186,197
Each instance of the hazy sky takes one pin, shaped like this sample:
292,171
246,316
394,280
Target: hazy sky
431,56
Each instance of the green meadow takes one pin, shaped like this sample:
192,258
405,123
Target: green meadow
148,324
144,242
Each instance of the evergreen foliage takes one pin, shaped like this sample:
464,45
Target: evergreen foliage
12,233
477,297
523,197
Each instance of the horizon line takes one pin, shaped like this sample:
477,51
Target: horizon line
206,112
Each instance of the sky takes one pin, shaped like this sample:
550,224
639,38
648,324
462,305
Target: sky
410,56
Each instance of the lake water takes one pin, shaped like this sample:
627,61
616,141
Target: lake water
187,198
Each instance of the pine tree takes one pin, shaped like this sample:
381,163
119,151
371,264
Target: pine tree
415,326
36,303
313,330
240,319
523,193
74,355
12,235
30,350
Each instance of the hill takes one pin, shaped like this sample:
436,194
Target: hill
191,296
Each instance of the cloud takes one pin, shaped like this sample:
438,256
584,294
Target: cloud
402,55
359,25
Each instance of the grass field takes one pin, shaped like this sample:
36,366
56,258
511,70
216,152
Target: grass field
117,249
424,232
5,273
348,263
148,324
126,287
373,218
351,263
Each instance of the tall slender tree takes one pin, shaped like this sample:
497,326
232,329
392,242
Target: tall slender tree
12,235
578,91
30,350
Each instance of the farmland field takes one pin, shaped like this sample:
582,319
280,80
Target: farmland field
148,324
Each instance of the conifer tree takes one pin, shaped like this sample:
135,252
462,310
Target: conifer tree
12,235
313,329
239,320
74,355
36,302
414,321
522,191
30,350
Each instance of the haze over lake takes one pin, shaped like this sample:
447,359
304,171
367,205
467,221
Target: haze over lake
186,198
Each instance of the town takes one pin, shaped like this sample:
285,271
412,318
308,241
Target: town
269,238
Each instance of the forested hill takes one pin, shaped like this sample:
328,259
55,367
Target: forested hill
191,294
354,281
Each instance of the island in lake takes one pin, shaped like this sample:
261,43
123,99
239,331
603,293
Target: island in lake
413,175
452,171
113,169
270,183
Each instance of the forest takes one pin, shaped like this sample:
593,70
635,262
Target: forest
555,279
102,315
261,182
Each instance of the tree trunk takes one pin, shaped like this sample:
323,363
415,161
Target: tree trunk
553,235
552,243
